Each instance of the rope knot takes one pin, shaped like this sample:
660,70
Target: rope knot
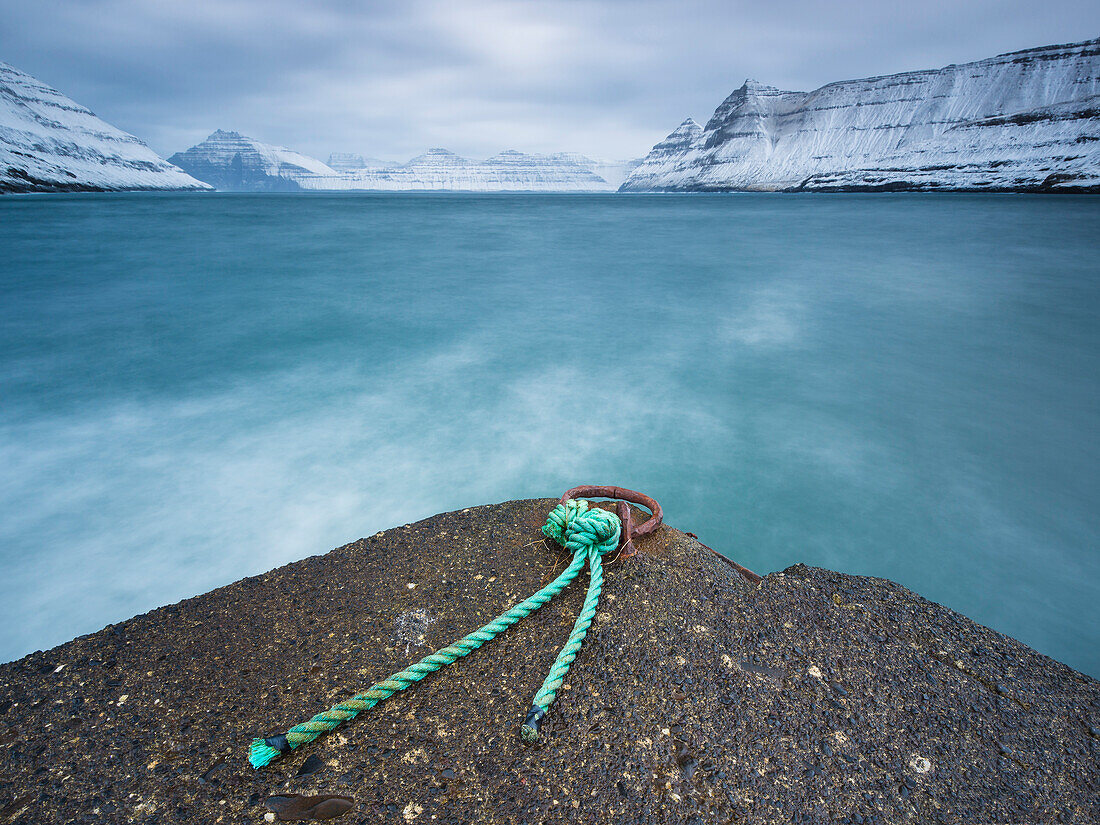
575,525
589,532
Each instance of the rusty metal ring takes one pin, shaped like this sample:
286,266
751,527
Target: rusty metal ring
630,532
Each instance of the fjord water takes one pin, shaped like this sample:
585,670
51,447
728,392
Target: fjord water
197,388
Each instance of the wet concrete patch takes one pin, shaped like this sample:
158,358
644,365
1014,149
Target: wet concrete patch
296,807
312,764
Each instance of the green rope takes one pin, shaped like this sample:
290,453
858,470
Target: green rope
589,533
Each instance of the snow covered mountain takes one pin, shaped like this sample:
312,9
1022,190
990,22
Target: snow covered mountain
1023,121
230,161
439,169
49,143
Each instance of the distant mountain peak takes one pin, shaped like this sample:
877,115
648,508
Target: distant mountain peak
232,161
346,161
755,87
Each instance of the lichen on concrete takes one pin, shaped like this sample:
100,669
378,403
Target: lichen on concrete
698,697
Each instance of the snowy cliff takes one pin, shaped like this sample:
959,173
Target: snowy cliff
49,143
438,169
1024,121
228,160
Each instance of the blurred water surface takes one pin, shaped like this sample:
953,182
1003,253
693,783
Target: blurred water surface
198,388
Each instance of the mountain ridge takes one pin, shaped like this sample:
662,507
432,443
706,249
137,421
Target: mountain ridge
50,143
234,162
1021,121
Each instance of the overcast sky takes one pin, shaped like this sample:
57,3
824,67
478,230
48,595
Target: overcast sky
390,79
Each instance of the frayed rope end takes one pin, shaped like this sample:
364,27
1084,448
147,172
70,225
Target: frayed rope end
261,753
529,735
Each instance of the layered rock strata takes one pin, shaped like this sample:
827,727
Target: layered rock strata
1023,121
50,143
230,161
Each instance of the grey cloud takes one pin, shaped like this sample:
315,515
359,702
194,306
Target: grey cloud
389,79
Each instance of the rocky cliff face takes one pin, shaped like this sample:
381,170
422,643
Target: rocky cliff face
49,143
1024,121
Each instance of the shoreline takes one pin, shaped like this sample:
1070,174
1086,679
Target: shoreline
886,189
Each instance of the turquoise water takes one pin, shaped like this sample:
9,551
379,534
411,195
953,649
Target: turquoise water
198,388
